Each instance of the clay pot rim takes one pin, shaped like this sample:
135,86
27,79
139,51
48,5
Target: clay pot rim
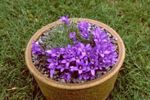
74,86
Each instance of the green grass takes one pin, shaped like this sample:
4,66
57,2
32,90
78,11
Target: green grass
20,19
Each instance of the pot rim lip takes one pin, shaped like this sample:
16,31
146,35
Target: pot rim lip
74,86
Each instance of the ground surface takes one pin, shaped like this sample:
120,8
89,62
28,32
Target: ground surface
19,19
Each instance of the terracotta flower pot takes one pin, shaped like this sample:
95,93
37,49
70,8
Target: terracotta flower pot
97,89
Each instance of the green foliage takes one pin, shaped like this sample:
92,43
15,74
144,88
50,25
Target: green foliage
19,19
57,37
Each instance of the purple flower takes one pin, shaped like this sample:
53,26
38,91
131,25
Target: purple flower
61,67
66,76
56,52
65,20
52,67
100,36
83,27
70,52
72,36
36,48
66,62
84,76
80,69
92,68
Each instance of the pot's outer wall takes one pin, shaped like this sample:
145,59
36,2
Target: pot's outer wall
99,92
97,89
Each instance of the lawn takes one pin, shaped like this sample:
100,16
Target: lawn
20,19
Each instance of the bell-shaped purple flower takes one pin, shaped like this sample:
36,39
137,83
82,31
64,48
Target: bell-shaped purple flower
100,36
72,36
83,27
55,52
80,69
52,67
66,76
36,48
84,76
92,68
65,20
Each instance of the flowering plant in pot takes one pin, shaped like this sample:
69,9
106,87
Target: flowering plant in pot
75,59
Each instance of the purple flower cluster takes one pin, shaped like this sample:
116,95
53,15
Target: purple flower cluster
81,60
84,27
